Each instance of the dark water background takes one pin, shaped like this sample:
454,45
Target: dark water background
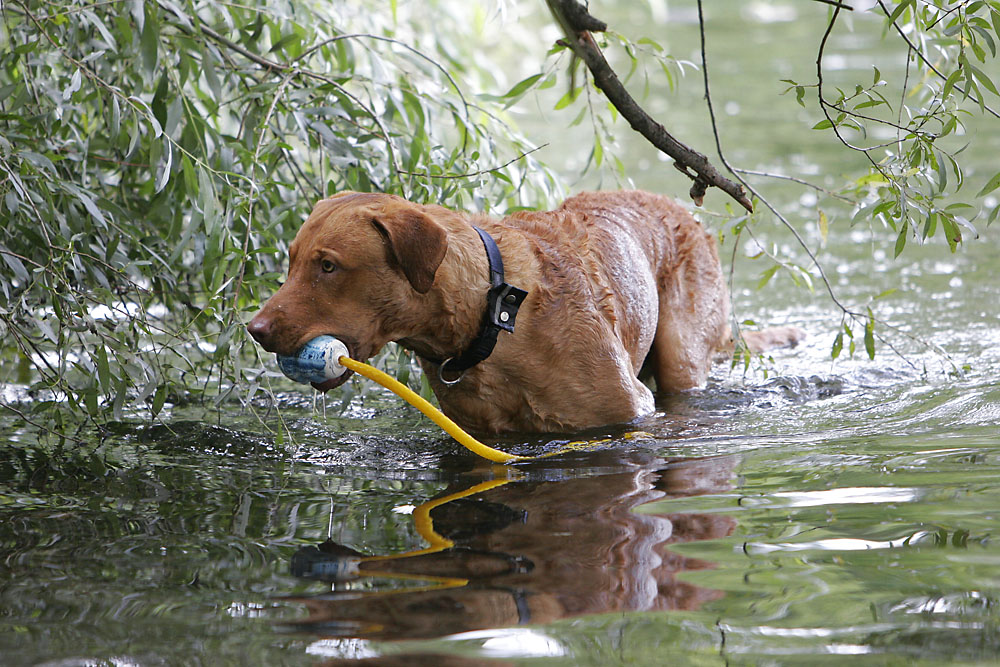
821,512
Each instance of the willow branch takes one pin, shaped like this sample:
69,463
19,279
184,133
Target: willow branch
577,24
473,174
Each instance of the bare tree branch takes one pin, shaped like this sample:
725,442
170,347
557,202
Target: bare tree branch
577,24
838,5
473,174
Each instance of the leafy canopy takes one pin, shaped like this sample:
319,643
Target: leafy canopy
157,157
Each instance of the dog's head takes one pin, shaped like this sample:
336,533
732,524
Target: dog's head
356,270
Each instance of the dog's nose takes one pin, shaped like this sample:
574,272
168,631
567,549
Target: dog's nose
261,328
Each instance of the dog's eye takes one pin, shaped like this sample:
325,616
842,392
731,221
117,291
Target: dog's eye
328,266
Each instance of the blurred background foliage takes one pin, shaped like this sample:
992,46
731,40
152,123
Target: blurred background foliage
156,158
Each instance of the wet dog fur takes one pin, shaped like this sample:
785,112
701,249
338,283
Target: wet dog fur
618,283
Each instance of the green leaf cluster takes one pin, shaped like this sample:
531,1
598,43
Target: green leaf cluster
916,185
156,158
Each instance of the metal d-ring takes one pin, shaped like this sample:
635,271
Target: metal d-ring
441,373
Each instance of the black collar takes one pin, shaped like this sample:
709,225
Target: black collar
502,303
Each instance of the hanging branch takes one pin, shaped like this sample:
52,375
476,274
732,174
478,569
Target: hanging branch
577,23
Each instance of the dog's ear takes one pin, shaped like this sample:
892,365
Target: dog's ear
416,242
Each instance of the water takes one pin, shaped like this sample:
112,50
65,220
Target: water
821,512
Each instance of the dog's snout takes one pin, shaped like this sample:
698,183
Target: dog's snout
261,327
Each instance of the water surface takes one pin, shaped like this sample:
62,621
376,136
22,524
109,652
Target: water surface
814,512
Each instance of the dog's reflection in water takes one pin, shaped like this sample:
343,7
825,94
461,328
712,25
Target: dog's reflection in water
516,552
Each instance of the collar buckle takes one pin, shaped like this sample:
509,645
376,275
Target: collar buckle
503,302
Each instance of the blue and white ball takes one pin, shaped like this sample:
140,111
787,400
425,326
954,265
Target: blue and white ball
317,361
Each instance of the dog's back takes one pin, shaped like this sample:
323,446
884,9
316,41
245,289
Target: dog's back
643,262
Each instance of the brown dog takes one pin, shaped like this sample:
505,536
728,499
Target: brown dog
616,281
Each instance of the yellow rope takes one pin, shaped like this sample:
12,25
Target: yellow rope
420,403
453,429
425,525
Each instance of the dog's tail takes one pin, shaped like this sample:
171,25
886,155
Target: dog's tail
758,341
772,337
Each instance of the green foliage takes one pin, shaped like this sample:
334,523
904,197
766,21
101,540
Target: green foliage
157,157
915,184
